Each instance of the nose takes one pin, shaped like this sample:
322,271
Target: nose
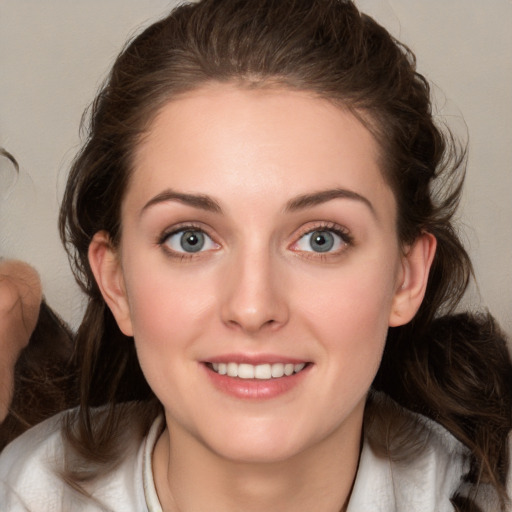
253,294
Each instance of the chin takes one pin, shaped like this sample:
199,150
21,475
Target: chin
261,445
262,453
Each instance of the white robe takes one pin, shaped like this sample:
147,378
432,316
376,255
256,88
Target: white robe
423,483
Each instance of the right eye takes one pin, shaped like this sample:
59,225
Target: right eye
189,240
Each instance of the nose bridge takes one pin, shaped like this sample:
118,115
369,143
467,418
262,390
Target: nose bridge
254,297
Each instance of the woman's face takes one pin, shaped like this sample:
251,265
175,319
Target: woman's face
258,239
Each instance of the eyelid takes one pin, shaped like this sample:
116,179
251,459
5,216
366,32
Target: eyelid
332,227
180,228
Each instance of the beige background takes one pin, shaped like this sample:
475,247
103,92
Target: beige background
54,54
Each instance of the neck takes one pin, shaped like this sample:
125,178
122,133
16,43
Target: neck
191,478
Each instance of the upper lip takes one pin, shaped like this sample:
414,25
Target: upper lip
254,359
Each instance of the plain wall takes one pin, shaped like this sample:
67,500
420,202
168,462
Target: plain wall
55,53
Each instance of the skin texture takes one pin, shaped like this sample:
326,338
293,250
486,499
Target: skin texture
258,290
20,299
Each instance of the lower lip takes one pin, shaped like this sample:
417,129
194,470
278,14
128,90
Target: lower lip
255,389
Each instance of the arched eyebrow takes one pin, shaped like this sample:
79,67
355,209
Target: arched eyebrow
301,202
316,198
200,201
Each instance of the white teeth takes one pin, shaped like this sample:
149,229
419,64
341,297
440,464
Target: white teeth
246,371
260,371
263,371
232,370
277,370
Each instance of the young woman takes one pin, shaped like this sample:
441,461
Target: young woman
261,218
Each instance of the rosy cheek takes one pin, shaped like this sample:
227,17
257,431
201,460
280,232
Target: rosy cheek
163,310
354,306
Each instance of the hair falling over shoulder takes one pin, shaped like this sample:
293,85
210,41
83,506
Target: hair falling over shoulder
458,373
452,368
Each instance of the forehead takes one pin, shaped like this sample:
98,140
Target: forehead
229,142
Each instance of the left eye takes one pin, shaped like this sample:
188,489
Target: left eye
320,241
190,241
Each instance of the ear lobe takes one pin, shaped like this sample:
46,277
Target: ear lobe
108,273
414,277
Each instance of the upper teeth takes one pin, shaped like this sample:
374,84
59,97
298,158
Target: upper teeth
260,371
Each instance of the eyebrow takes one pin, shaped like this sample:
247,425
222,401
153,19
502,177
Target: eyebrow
195,200
302,202
308,200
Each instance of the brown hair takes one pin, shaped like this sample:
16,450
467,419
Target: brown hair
44,378
328,48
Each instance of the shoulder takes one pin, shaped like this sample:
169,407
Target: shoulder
26,464
33,474
408,462
42,442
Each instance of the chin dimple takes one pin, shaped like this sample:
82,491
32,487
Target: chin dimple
259,371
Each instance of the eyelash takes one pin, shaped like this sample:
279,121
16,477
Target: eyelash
342,233
164,237
346,238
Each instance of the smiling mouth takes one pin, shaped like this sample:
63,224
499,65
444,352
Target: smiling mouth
260,371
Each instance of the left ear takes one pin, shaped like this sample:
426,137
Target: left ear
413,278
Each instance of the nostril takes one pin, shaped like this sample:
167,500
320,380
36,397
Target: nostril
253,306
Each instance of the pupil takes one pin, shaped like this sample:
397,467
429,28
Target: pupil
192,241
322,241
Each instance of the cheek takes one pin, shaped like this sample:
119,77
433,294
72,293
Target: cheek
165,319
168,307
349,315
353,301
